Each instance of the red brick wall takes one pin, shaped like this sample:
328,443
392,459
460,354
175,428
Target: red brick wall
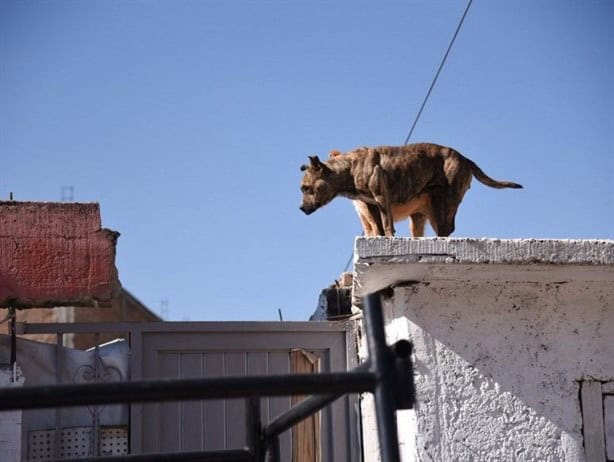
55,254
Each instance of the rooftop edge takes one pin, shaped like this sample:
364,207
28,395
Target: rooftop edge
484,250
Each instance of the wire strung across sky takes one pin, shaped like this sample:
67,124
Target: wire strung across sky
443,62
430,90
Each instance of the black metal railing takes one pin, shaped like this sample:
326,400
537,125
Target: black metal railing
387,374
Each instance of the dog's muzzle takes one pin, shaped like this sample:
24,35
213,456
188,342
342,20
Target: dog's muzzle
306,210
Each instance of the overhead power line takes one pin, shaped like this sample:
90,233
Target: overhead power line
347,265
428,93
443,62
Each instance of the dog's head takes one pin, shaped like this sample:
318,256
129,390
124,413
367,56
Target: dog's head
316,185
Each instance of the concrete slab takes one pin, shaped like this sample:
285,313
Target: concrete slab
382,262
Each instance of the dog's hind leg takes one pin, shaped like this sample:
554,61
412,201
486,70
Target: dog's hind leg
449,222
444,222
439,218
386,216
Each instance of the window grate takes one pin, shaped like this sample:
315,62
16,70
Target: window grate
77,442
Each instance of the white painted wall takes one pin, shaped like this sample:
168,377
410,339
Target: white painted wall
503,333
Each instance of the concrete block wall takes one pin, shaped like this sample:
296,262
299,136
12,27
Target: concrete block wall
55,254
505,331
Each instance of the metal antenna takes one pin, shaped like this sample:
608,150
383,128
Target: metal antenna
164,309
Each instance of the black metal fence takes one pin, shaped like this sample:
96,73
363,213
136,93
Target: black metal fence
388,374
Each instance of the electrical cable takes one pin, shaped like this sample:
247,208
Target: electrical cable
443,62
428,93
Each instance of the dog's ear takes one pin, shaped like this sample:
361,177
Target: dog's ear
316,163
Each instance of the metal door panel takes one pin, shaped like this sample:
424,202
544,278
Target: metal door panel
169,414
235,408
214,431
258,364
279,363
192,411
236,349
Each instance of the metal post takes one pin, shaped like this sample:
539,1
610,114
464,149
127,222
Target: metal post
253,427
383,367
272,450
13,332
59,367
95,410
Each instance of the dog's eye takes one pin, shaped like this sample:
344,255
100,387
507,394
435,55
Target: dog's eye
306,189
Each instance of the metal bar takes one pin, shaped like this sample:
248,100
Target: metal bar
79,327
13,332
136,409
185,389
304,409
298,413
273,450
253,427
182,326
96,410
229,455
383,367
59,367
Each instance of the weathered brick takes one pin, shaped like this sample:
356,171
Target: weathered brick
55,254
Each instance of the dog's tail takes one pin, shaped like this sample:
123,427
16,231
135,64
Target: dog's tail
488,181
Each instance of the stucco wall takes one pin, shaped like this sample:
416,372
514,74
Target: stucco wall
499,348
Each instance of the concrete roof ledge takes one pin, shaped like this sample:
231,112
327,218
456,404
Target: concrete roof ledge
381,262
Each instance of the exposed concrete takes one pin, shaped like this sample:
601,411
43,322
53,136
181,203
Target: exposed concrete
55,254
503,333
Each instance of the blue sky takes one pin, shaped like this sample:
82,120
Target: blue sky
188,120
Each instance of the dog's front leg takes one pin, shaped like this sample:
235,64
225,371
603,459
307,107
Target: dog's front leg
369,218
379,189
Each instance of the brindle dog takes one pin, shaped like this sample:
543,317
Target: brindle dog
423,181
